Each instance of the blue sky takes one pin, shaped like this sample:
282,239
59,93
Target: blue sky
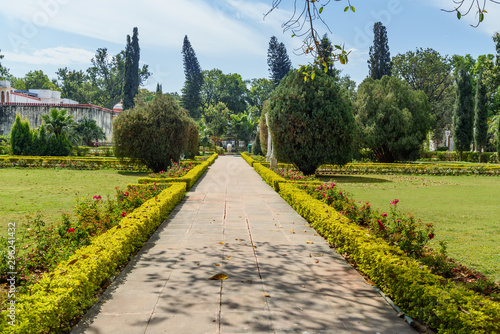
227,34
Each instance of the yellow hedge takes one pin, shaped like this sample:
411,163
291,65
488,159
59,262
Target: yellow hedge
69,290
189,179
427,297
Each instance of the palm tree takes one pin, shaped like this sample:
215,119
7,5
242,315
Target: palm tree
58,122
89,131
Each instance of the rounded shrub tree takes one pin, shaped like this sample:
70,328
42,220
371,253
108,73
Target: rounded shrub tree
392,118
311,122
192,140
154,133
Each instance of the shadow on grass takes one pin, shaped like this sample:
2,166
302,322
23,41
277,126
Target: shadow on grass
132,173
351,179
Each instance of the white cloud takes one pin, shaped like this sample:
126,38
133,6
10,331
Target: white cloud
162,24
60,56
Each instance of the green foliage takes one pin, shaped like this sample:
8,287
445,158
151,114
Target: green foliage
131,70
379,63
191,98
216,117
259,93
34,80
4,72
481,116
89,131
256,149
154,133
392,119
192,140
278,61
243,127
20,136
263,131
311,122
463,117
75,85
229,89
427,70
67,292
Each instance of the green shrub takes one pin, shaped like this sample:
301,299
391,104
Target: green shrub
20,136
154,133
192,140
437,302
311,122
442,148
392,118
256,149
69,290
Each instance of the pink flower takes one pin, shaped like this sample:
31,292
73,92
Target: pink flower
380,225
97,197
395,202
71,230
384,214
123,214
125,193
431,235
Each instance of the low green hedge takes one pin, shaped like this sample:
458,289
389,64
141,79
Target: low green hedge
437,302
269,176
247,158
69,162
455,156
69,290
190,178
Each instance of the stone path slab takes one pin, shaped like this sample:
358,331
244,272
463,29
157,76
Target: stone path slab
283,277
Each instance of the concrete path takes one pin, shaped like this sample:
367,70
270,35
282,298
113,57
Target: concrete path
283,278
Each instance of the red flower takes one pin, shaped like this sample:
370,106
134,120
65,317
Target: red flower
431,235
380,225
123,214
125,193
396,201
384,214
71,230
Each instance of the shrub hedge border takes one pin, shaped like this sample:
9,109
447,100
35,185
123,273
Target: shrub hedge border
429,298
69,290
190,178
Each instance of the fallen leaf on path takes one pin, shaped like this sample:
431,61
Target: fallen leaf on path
266,295
221,242
292,231
217,265
198,264
228,257
317,261
285,254
219,277
309,242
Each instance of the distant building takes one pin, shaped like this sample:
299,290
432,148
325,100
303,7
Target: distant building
34,103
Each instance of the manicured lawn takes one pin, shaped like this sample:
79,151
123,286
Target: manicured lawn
53,191
464,209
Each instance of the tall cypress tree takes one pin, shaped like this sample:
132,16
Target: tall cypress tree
463,117
191,97
131,75
326,52
278,61
481,116
379,63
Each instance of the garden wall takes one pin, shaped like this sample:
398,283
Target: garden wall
34,112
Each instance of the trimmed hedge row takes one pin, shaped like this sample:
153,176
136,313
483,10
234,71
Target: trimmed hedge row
437,302
69,290
455,156
269,176
69,162
247,158
189,179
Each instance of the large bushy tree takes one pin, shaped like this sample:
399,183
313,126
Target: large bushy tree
379,63
311,122
463,117
229,89
131,74
392,118
278,61
153,133
20,136
259,92
191,92
481,116
89,131
216,118
427,70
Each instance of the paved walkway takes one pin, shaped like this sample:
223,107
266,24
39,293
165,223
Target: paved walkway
283,278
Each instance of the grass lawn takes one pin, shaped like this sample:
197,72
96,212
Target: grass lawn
53,191
464,210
